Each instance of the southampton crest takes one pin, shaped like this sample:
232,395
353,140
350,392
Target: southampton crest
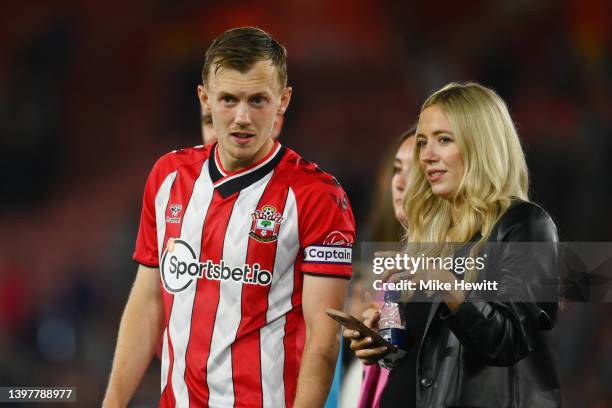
175,210
265,225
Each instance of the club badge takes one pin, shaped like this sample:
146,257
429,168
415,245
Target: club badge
266,223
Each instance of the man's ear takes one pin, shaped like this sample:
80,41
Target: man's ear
285,99
203,97
278,126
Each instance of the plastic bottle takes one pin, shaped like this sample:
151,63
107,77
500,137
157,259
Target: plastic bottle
392,324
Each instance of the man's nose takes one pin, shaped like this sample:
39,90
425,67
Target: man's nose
243,116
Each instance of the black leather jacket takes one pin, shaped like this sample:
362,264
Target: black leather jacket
497,354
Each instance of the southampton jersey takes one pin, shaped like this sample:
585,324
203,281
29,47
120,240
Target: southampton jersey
232,249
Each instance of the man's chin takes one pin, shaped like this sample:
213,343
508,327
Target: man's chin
243,153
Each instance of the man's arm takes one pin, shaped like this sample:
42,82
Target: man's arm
139,333
321,348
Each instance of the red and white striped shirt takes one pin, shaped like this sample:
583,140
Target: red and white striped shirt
232,249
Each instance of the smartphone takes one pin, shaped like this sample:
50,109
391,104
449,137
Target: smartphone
353,323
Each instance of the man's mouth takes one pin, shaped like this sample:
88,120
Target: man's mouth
242,135
242,138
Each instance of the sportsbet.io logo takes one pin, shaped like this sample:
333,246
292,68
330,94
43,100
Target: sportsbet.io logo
179,268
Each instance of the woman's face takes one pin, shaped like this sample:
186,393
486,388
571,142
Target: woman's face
439,155
401,169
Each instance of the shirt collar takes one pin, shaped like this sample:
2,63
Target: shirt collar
227,183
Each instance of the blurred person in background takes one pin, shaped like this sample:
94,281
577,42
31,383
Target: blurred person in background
471,186
209,135
241,234
388,219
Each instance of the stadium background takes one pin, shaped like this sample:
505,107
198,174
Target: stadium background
92,93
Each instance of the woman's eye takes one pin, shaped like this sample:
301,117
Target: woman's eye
396,169
445,139
421,142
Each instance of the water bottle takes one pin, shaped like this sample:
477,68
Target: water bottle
392,324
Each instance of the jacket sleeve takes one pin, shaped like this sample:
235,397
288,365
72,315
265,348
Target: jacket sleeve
503,332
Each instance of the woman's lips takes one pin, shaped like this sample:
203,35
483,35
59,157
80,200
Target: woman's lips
435,175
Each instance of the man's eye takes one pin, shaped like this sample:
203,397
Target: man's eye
258,100
227,99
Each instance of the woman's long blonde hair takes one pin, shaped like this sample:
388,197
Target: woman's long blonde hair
495,171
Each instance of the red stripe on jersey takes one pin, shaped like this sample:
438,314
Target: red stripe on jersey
295,333
246,352
180,193
206,301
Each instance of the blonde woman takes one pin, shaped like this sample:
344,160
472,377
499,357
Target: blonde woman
471,186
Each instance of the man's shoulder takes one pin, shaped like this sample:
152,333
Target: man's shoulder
172,161
313,186
306,175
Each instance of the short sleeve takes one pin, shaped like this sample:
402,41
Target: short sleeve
146,252
327,230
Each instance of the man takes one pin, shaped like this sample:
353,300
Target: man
251,244
209,136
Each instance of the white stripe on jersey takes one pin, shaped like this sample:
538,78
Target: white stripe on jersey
161,203
219,368
165,361
179,325
279,303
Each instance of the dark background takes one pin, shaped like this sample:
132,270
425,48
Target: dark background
92,93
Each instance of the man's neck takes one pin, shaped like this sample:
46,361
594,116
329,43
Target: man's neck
231,164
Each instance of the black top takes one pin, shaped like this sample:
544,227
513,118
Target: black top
494,353
499,353
400,390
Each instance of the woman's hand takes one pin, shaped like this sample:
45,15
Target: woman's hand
362,346
453,298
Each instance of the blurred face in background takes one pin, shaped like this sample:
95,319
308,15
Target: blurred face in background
439,155
244,108
401,169
208,131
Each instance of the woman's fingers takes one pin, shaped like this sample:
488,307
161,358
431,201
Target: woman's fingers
372,355
351,334
371,320
361,344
